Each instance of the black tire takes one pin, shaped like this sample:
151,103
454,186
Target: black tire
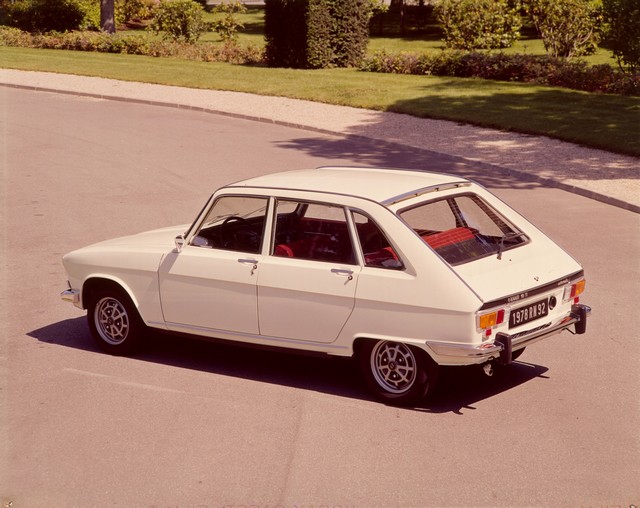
397,373
114,321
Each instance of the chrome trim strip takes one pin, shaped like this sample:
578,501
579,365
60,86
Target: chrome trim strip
425,190
227,335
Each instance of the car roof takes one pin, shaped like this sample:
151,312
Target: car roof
383,185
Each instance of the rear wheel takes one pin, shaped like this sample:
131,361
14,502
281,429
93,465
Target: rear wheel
114,321
397,373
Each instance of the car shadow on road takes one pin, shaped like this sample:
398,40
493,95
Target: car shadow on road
459,389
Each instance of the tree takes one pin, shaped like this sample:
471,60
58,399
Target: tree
568,28
623,17
107,16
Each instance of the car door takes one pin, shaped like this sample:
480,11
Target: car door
306,287
211,283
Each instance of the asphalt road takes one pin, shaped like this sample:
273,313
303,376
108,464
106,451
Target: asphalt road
192,424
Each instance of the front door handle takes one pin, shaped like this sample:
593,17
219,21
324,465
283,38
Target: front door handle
344,272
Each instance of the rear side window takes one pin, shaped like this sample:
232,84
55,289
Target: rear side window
463,228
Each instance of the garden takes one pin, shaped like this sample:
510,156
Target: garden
520,69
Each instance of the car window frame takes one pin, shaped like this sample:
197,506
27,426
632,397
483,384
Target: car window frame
303,203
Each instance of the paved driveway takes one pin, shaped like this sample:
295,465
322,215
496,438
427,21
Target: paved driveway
190,424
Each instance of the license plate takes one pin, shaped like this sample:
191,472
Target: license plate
527,313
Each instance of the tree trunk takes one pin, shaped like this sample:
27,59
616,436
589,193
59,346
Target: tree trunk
107,16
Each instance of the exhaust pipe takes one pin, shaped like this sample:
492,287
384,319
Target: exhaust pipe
487,368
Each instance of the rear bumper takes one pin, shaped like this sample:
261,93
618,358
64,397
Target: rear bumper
502,347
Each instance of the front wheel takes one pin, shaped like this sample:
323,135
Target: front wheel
114,322
397,373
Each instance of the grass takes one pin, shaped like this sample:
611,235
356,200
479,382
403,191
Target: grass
603,121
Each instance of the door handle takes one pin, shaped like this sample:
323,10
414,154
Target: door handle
253,262
343,272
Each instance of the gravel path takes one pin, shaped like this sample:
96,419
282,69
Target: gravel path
601,175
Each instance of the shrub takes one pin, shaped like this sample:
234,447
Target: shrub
479,24
43,15
544,70
139,44
623,17
568,28
179,20
227,26
316,33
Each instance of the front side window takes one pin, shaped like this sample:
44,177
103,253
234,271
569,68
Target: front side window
234,223
463,228
312,231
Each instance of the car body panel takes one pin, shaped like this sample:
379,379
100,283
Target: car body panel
261,298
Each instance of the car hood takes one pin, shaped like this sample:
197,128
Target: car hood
163,238
519,270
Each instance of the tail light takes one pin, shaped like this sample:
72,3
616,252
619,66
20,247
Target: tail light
574,291
489,320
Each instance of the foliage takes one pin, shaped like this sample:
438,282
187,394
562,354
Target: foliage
316,33
43,15
91,14
131,10
179,20
227,26
568,28
542,70
139,44
479,24
623,17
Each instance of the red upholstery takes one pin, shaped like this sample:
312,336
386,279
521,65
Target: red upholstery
378,257
448,237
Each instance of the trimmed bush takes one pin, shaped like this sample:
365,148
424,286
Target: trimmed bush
140,44
543,70
479,24
179,20
316,33
568,28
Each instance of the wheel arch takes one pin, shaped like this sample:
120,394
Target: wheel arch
98,282
361,340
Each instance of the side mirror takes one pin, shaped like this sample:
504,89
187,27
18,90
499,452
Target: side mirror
179,242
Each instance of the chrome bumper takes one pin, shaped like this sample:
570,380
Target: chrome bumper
72,296
504,344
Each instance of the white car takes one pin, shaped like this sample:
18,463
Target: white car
403,270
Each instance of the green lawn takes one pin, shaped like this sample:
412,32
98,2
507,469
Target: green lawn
604,121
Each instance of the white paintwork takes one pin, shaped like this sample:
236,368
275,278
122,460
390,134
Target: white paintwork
320,306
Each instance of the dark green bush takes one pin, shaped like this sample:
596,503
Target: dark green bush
623,17
479,24
43,15
316,33
285,33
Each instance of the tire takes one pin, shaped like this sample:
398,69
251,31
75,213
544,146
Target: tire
114,322
397,373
